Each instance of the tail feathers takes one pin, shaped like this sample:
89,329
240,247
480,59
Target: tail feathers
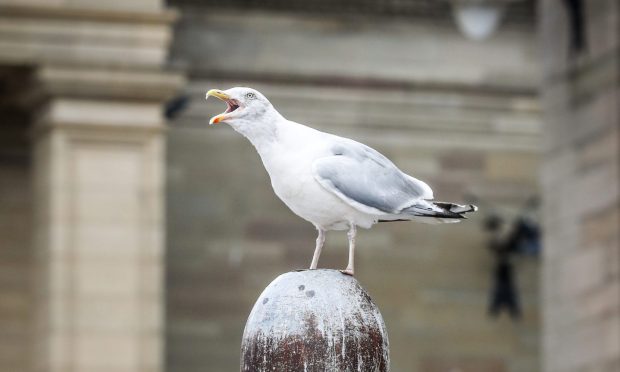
456,208
439,211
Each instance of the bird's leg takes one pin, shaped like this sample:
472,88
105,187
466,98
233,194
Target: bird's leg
320,240
351,235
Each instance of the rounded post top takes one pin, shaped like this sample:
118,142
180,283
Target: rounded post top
315,320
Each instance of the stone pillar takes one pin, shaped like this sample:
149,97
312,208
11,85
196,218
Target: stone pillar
581,185
98,160
99,236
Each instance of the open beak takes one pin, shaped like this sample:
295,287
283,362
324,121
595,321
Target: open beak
232,105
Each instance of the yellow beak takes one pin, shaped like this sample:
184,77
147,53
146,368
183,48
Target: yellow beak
224,97
218,94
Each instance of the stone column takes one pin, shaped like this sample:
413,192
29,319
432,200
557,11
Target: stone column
581,185
98,160
99,235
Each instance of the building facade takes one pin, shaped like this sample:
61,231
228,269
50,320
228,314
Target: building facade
133,243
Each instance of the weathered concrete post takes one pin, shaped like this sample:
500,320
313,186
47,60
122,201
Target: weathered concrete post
315,320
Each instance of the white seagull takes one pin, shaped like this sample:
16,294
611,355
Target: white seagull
333,182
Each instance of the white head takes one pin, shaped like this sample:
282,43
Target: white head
245,106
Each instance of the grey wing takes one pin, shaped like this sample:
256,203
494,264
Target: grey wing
367,180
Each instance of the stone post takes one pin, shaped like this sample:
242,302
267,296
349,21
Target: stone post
315,320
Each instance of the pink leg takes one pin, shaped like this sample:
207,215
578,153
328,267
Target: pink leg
320,240
350,266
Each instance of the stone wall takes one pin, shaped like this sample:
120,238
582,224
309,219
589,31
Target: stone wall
460,115
581,188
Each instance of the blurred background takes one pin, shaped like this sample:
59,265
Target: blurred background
133,237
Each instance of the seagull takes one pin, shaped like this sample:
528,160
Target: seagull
333,182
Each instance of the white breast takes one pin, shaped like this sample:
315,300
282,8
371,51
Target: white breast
291,175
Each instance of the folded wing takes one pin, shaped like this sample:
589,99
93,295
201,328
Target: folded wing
367,180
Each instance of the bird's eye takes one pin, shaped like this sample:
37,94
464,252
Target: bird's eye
250,95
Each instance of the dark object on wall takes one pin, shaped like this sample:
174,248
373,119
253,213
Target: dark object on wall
315,320
504,293
176,106
524,239
577,26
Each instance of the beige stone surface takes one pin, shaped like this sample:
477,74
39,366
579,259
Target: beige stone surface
77,34
581,188
102,180
420,50
121,5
